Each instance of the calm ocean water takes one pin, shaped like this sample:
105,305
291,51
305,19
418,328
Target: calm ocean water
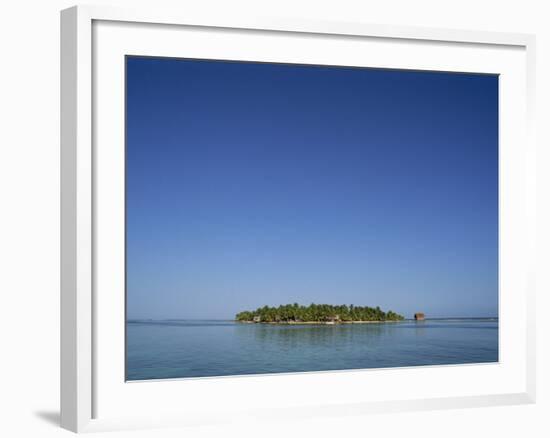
178,348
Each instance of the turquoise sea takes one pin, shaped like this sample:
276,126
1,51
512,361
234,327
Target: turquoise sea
192,348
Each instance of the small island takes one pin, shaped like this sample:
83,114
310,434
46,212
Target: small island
317,314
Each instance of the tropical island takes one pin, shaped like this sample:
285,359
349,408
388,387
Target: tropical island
317,314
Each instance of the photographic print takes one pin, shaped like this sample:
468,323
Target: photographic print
285,218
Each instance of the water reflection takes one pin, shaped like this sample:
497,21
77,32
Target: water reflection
419,327
316,335
169,349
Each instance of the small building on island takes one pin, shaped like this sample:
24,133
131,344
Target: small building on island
257,319
332,319
419,316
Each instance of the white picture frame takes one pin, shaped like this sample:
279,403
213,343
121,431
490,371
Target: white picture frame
93,40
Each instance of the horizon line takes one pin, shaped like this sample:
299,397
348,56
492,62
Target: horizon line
233,319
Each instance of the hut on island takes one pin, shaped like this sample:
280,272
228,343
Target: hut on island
332,319
257,319
419,316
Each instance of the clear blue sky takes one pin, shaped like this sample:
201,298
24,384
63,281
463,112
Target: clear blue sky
252,184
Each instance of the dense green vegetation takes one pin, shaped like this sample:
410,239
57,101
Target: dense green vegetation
317,313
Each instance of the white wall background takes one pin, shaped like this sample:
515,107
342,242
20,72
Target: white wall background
29,216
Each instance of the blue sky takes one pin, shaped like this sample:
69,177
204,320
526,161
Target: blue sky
252,184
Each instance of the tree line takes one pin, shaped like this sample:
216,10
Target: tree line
317,312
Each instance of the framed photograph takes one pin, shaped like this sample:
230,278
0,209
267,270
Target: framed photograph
266,218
